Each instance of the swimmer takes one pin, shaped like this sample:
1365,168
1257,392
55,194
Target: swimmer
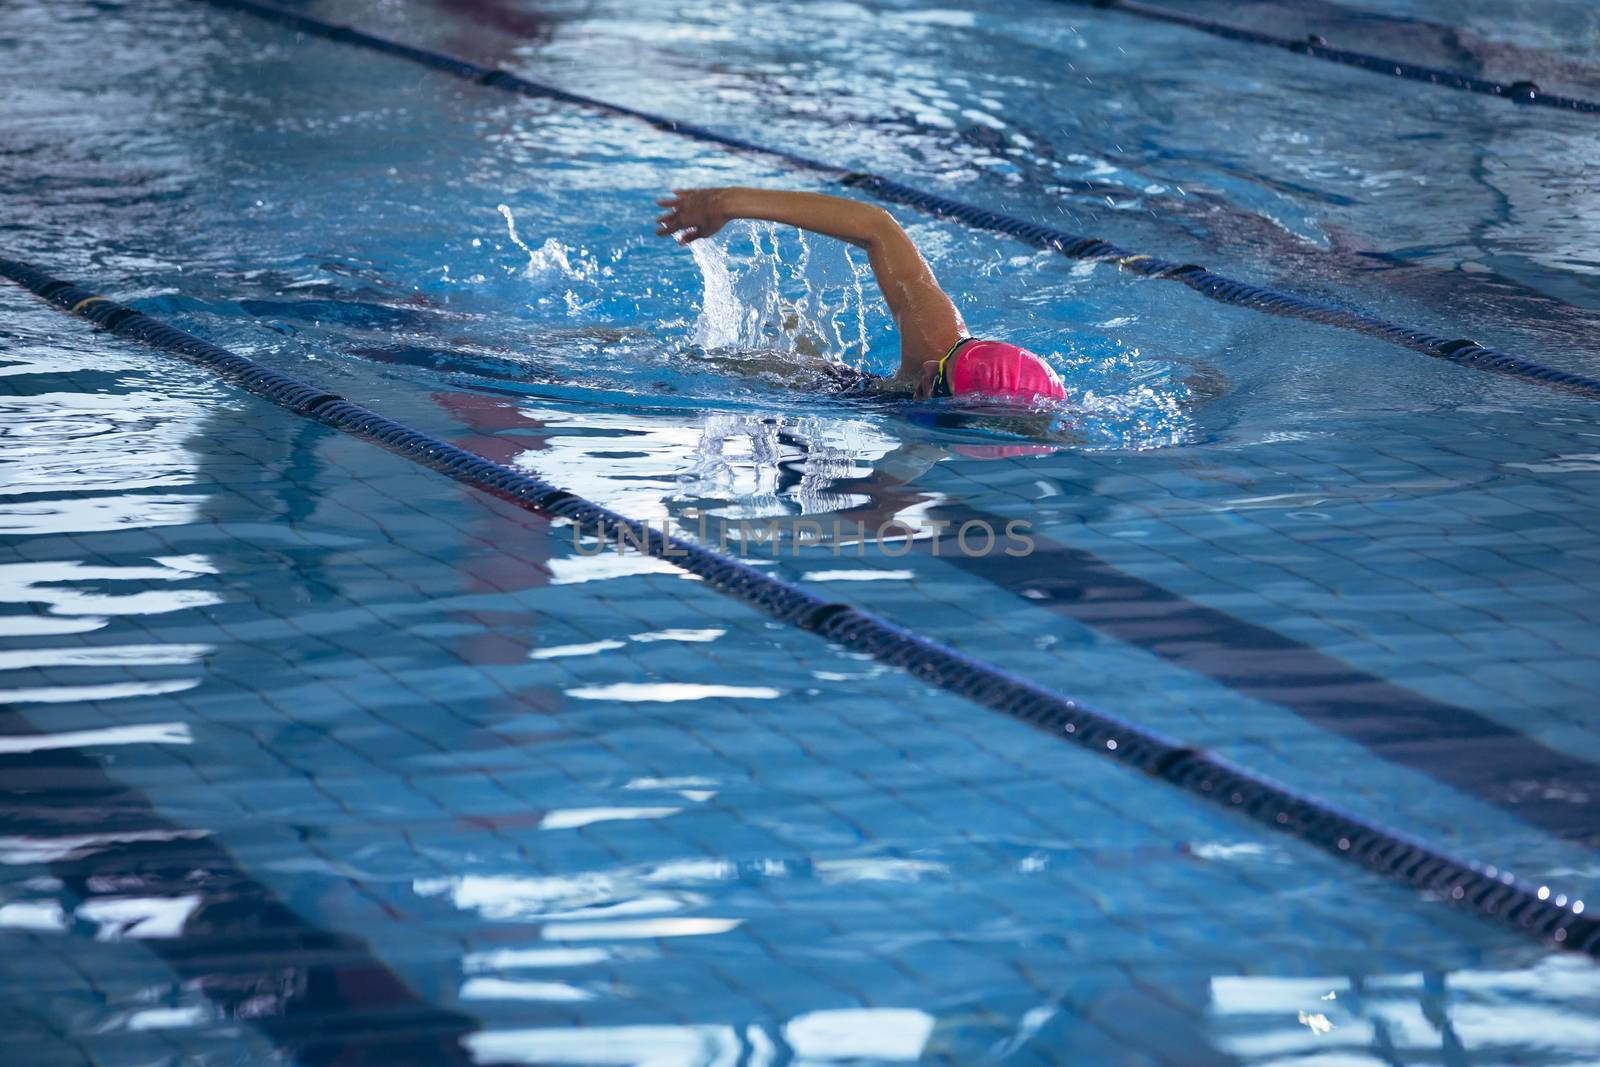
937,356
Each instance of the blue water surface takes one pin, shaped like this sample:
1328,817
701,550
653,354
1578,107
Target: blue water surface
311,756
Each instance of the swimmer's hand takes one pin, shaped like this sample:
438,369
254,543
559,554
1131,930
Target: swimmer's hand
693,213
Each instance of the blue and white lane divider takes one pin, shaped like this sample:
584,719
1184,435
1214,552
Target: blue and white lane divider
1317,47
1482,889
1218,287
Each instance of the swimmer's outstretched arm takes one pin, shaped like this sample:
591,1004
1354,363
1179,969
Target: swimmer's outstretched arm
927,318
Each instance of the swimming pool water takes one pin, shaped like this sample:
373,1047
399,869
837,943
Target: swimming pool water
311,756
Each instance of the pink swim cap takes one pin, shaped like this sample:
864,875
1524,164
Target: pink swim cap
994,368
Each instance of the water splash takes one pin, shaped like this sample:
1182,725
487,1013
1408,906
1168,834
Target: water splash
786,294
718,324
551,260
1124,399
511,229
554,264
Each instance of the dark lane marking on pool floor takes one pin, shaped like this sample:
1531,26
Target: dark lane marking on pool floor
322,996
1453,745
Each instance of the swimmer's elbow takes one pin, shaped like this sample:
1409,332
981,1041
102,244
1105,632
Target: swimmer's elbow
878,229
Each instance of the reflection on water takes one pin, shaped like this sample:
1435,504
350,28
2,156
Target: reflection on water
32,850
139,917
671,692
51,584
163,733
1276,1020
879,1035
505,989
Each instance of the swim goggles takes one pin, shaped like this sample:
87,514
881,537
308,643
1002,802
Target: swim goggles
941,380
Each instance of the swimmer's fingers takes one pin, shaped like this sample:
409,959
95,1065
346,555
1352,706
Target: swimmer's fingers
679,232
670,223
677,229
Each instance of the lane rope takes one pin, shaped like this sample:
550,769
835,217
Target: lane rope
1462,351
1483,890
1316,47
